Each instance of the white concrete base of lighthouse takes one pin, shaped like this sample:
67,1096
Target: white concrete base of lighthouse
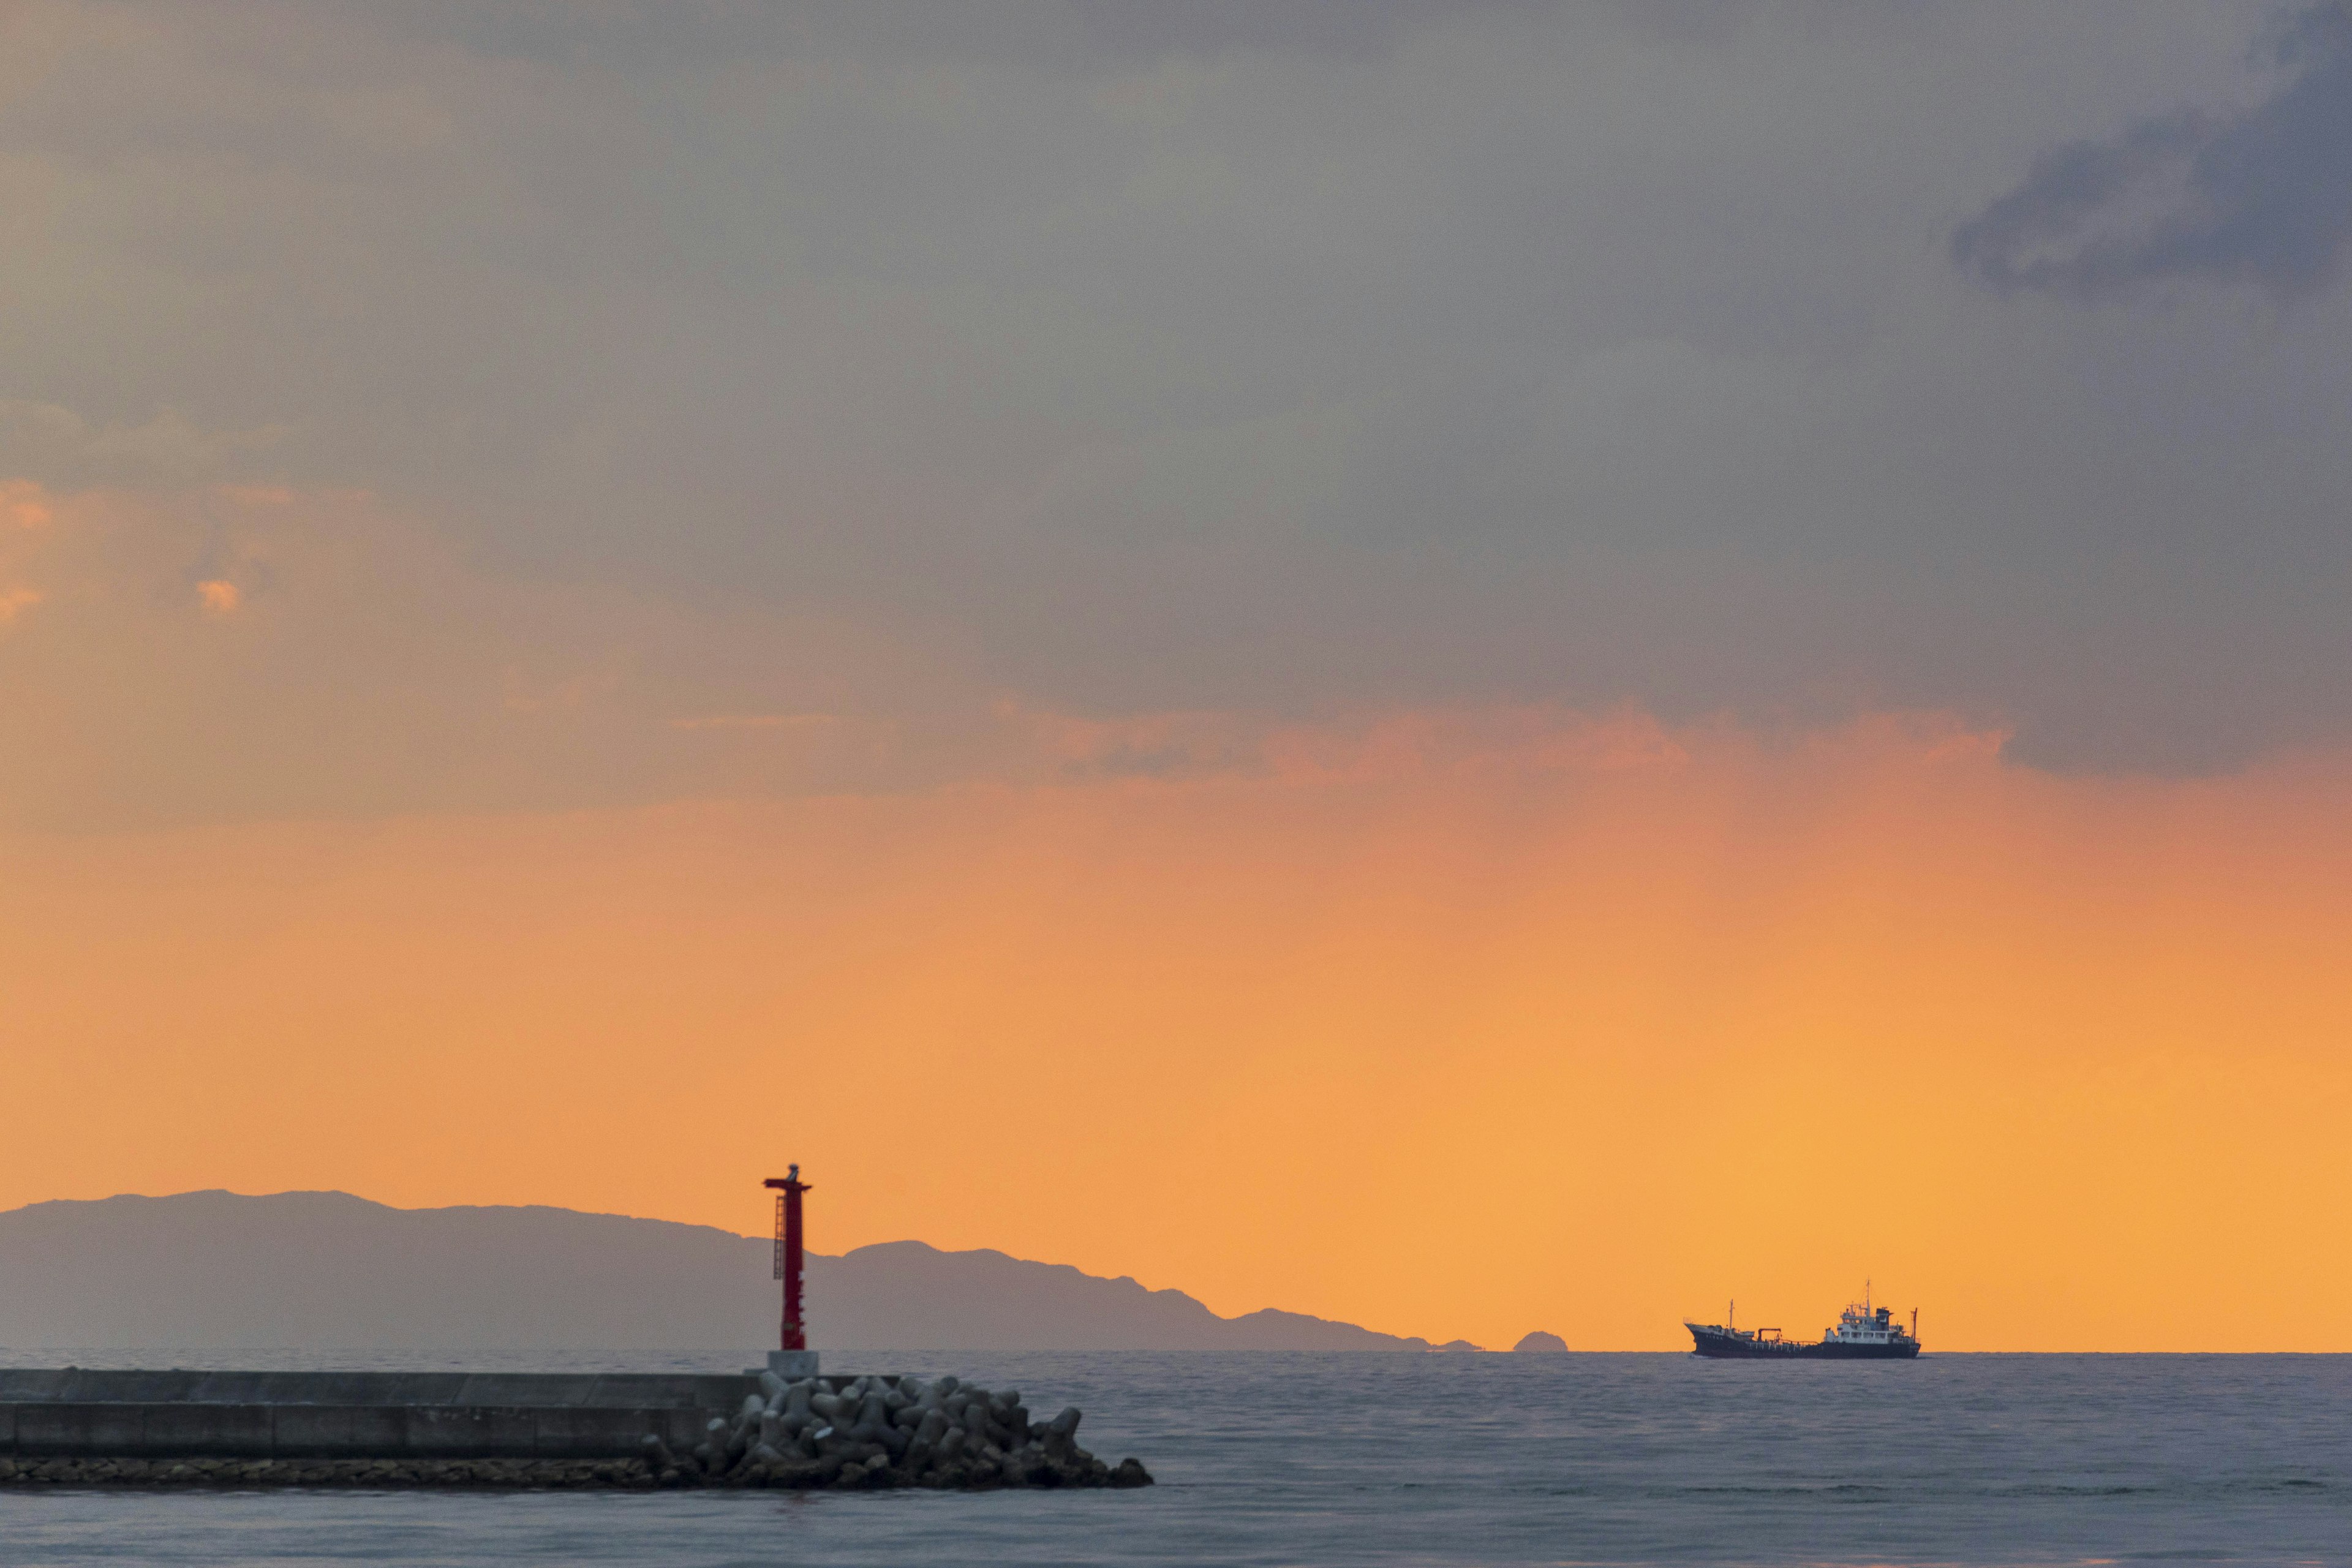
793,1366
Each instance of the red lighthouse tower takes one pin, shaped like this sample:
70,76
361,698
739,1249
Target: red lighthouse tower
793,1358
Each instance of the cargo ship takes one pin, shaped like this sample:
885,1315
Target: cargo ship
1863,1332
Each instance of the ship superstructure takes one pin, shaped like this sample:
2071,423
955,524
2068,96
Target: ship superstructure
1863,1332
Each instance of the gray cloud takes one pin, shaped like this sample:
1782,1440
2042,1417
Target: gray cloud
1086,35
1166,361
2261,197
44,442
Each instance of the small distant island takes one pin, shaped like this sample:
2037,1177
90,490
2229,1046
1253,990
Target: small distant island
1541,1342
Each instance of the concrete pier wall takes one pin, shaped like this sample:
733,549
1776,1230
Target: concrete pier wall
69,1427
85,1386
74,1412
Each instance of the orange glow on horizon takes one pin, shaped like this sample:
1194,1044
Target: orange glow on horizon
1463,1025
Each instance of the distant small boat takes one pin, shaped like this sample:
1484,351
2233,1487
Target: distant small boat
1863,1334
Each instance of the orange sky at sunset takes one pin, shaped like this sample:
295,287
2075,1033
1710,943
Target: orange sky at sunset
1469,667
1449,1023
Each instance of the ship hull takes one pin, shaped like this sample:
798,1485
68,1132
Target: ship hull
1715,1343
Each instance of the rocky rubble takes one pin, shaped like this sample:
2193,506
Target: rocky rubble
887,1432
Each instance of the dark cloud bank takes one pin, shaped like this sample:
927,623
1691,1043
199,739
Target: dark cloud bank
2261,198
1293,358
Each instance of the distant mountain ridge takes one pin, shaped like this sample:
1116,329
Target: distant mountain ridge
329,1270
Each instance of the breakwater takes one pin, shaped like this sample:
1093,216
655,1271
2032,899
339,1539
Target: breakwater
74,1426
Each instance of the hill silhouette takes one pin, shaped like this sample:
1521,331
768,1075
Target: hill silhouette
328,1270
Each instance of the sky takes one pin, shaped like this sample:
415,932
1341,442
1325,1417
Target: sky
1471,666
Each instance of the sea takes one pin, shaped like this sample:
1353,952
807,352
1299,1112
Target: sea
1398,1459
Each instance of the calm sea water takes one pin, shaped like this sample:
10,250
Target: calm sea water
1397,1460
